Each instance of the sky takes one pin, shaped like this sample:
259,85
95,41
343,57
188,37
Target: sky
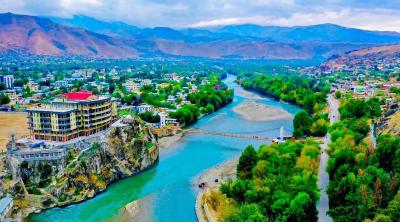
366,14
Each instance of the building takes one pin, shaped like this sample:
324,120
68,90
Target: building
144,108
164,120
71,115
26,151
34,87
6,205
9,81
61,83
132,86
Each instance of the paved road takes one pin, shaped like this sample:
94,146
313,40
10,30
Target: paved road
323,177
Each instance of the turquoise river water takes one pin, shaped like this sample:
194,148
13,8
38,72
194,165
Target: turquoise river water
171,182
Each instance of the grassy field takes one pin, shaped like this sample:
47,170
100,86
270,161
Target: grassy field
12,123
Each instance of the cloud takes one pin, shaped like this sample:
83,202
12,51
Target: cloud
367,14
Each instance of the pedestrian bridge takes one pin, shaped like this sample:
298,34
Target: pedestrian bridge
240,135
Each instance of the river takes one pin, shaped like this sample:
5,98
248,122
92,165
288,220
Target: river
171,182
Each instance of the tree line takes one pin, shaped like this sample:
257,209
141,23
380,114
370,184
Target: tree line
308,93
364,182
277,182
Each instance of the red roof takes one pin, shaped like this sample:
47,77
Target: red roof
80,95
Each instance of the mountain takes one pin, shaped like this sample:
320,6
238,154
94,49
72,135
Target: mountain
367,58
315,33
87,36
37,35
118,29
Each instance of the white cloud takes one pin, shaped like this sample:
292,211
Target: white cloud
367,14
377,19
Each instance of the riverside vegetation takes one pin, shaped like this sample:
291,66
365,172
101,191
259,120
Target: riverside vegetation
122,152
277,182
364,182
308,93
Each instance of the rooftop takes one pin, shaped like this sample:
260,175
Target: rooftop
77,96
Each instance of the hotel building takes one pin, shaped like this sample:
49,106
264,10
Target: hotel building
71,115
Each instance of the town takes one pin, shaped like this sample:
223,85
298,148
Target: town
231,111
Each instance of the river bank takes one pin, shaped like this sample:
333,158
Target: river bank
168,141
138,210
209,181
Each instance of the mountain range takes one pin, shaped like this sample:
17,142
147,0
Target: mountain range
87,36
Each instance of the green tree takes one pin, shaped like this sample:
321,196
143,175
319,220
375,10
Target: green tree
302,123
247,161
4,99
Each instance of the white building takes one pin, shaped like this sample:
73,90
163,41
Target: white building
145,82
9,81
61,83
131,86
166,121
144,108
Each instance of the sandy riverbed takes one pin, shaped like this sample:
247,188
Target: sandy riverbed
253,111
222,172
249,95
12,123
138,210
168,141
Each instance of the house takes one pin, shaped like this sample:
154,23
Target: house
164,120
34,87
131,86
61,83
144,108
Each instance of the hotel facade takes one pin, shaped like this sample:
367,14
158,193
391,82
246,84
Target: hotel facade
71,115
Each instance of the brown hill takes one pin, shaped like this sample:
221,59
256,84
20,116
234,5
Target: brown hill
363,59
37,35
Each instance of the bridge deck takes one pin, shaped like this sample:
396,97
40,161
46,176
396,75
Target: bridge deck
234,135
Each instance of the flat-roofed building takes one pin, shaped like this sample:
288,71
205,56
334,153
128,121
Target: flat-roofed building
71,115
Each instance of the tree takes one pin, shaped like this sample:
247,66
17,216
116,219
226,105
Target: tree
3,86
338,94
4,99
247,161
302,123
319,127
150,117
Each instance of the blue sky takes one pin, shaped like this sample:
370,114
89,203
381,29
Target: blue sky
366,14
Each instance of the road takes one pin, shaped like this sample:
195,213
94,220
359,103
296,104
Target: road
323,177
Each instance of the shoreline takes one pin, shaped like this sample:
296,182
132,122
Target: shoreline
223,172
168,141
249,94
137,210
95,194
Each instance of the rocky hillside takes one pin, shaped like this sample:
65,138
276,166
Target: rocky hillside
368,58
390,123
35,35
125,151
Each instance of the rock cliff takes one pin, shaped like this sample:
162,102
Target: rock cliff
125,150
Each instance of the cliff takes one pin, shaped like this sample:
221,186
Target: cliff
125,150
